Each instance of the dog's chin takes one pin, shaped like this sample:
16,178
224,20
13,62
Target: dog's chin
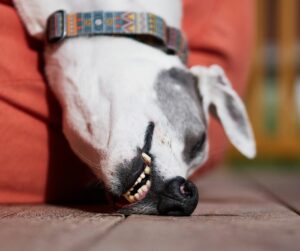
146,206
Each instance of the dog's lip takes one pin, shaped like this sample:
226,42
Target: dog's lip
122,203
137,170
133,178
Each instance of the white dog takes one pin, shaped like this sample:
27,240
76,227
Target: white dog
133,113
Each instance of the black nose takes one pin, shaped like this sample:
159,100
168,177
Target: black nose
179,197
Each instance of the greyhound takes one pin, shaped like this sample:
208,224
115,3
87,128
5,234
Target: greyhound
137,116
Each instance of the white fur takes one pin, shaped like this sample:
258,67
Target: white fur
105,86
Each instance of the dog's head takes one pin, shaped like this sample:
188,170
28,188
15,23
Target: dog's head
139,118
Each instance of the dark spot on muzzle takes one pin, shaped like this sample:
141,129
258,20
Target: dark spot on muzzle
179,198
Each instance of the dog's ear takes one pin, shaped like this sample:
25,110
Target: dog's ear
219,96
34,14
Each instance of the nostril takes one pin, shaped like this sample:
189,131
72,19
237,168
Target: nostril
179,197
187,189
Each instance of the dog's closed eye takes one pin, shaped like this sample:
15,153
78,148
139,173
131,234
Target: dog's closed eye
198,146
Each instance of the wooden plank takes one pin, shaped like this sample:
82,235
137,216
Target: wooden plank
203,233
233,215
282,185
234,194
223,184
53,228
10,210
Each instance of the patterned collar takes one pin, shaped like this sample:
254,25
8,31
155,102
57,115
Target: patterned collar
145,27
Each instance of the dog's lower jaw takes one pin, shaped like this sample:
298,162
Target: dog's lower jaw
146,206
175,197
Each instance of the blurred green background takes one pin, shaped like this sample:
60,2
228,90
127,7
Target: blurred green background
273,95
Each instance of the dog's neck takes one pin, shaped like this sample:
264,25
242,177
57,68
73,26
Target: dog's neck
35,13
169,10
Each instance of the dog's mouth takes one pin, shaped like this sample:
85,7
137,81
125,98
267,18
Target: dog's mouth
142,184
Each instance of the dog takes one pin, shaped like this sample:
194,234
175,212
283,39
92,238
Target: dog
137,116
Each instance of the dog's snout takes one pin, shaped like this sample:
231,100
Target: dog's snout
179,197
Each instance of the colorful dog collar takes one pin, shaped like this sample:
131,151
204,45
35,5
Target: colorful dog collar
145,27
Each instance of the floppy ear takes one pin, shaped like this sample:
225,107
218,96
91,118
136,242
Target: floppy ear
218,94
34,14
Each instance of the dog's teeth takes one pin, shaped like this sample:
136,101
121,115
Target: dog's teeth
146,158
148,183
126,197
142,191
147,170
144,188
131,198
137,196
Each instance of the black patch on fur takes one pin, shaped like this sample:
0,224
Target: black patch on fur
148,138
180,100
198,147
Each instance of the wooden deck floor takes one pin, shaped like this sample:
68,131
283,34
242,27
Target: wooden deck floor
257,211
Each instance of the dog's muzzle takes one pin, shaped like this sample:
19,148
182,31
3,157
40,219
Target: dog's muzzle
143,186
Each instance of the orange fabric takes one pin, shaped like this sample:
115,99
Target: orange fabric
36,163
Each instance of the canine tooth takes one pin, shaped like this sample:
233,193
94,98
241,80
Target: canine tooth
147,170
146,158
127,197
131,198
148,183
137,196
143,175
